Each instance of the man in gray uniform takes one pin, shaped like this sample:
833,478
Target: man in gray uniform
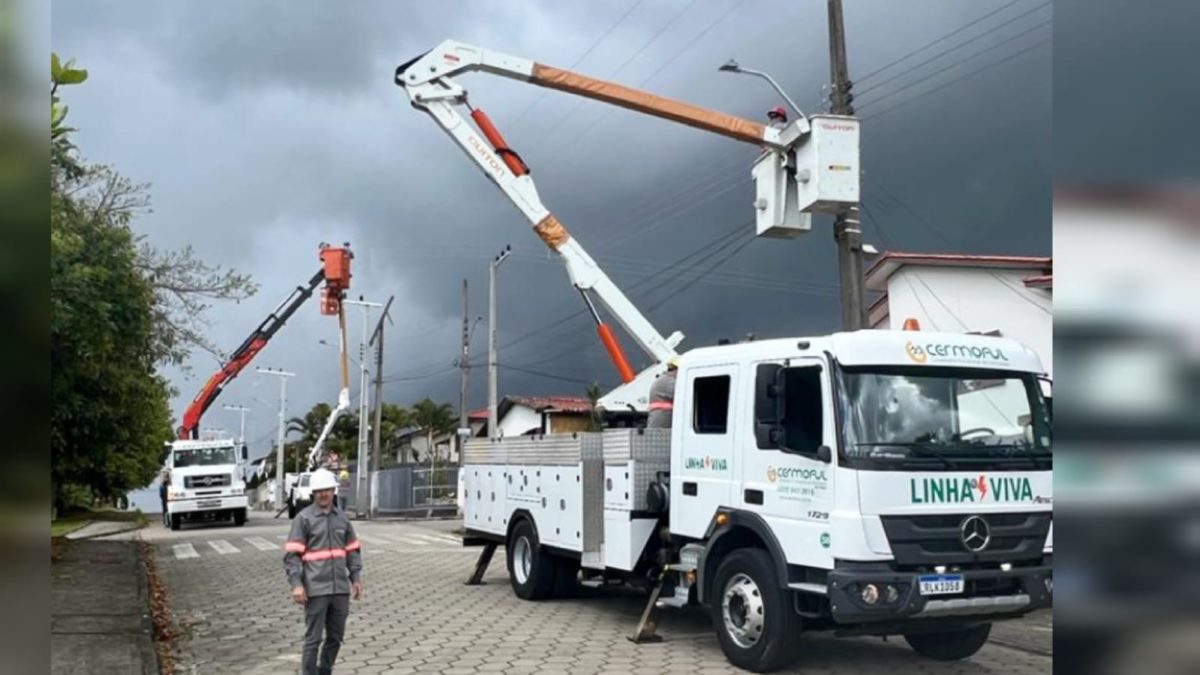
662,397
323,559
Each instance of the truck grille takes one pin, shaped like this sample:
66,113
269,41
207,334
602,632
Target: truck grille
927,540
215,480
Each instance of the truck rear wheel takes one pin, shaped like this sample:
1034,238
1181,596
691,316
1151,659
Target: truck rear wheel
531,570
950,645
755,622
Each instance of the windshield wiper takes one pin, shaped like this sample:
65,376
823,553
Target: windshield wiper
916,450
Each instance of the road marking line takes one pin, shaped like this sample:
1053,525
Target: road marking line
183,551
396,538
260,544
373,540
439,539
223,547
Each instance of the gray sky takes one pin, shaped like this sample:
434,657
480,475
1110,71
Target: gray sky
265,128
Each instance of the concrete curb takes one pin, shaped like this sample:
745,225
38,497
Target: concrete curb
104,534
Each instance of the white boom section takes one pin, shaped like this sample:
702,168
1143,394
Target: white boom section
427,81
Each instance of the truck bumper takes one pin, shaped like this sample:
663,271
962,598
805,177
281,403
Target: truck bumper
991,593
199,505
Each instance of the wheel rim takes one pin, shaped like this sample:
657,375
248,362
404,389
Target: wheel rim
742,610
522,559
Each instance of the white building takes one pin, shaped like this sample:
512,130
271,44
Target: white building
991,294
522,415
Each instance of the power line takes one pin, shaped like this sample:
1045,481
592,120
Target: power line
906,207
943,38
546,134
955,64
1020,295
995,64
548,376
583,56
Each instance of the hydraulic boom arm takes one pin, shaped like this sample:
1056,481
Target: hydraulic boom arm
427,80
335,272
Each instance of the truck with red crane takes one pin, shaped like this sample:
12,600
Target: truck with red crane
203,479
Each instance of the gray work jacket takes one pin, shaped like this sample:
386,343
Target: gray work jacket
322,552
662,401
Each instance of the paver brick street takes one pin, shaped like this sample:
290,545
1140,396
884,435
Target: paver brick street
228,592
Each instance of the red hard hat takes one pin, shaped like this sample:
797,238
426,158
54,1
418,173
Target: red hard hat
777,111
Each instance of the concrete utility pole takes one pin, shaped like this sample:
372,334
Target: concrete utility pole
242,410
377,449
360,490
464,365
847,231
493,414
283,376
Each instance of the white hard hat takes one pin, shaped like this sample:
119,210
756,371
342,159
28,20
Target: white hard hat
323,479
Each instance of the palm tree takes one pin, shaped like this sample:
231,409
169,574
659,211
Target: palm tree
593,394
434,418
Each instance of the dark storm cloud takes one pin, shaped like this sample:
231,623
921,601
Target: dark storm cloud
267,127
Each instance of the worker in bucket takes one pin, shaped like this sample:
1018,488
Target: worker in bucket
323,560
777,117
662,397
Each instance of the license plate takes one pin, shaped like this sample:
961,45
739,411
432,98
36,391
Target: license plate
940,584
209,504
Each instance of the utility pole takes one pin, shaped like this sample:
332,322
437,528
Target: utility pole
283,376
377,449
847,231
464,365
493,413
242,410
360,491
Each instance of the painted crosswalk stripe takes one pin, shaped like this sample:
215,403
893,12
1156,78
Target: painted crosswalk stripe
223,547
439,539
407,541
373,540
183,551
261,544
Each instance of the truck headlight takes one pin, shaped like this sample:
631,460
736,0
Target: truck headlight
870,594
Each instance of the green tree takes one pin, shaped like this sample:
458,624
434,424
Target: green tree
593,393
119,308
434,418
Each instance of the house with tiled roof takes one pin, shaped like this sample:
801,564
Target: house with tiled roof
528,415
1003,295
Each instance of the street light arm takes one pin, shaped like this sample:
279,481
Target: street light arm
770,80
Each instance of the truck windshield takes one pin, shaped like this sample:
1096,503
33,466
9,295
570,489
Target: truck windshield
949,418
205,456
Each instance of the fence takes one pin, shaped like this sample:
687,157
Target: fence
405,487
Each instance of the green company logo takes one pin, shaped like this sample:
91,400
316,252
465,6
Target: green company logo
706,463
824,540
957,490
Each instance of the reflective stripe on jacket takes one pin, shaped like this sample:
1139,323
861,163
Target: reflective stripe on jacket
322,552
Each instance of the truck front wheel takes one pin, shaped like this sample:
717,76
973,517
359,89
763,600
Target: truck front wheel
239,517
950,645
530,569
755,622
176,521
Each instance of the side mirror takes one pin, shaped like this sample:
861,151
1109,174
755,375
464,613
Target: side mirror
825,454
245,452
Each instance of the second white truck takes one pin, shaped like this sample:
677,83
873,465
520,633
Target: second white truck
874,482
205,482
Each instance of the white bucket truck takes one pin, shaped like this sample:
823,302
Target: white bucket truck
205,482
871,482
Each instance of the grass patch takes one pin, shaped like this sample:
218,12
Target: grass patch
72,520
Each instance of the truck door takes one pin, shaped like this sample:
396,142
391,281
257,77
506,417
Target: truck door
783,469
703,421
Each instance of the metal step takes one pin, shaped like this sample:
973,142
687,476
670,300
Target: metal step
803,587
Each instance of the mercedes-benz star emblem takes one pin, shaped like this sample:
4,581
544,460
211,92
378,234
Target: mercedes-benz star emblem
207,480
976,534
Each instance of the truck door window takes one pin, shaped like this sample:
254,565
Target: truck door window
710,404
803,409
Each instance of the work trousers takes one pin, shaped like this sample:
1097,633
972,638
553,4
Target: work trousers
327,614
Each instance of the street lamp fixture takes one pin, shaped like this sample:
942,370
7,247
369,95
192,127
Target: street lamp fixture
732,66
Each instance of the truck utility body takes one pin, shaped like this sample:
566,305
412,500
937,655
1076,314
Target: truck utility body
205,482
870,482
